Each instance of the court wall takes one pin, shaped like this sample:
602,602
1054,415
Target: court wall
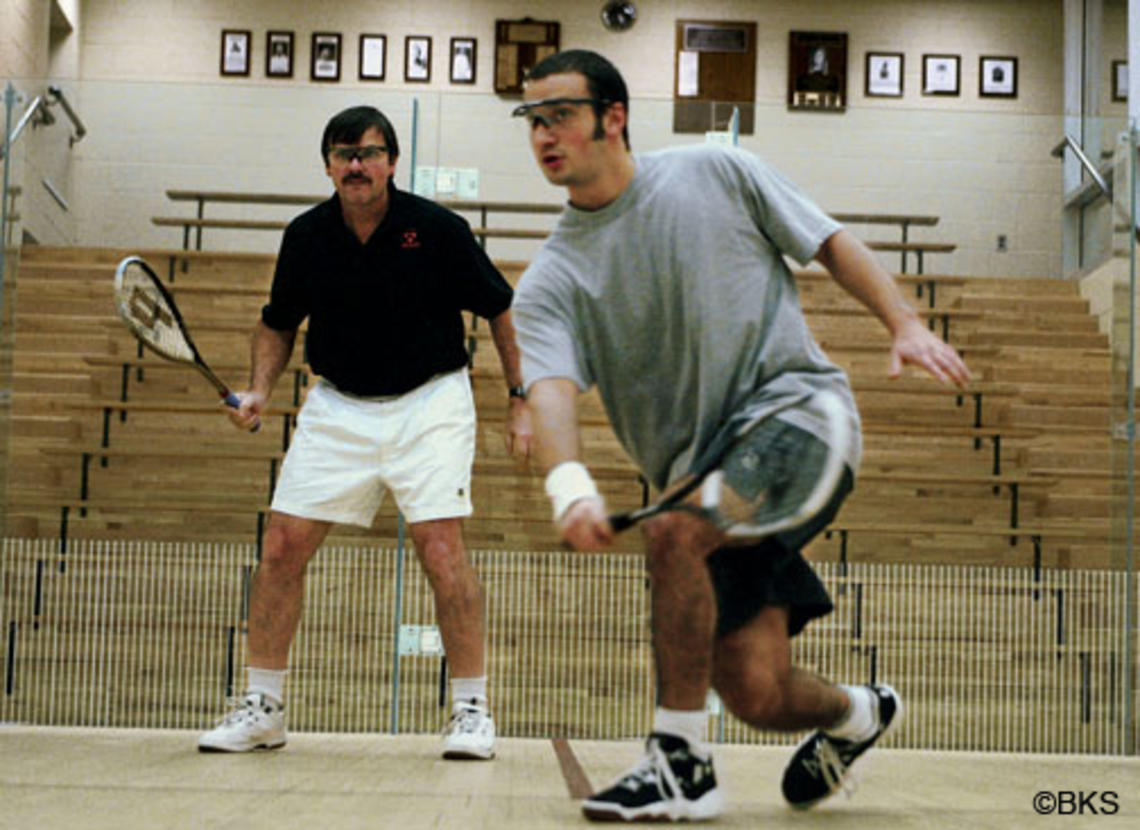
146,79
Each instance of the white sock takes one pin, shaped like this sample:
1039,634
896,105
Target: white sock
861,721
683,723
469,690
269,682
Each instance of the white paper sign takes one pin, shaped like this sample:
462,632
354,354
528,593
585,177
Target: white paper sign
688,73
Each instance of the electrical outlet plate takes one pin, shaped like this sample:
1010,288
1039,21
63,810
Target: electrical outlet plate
419,640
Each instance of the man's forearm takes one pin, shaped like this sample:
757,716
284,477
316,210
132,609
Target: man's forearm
854,267
503,334
269,353
554,411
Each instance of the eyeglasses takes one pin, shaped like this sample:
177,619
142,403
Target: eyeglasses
369,152
556,111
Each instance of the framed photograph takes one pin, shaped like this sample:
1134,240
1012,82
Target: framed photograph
279,54
941,74
884,74
817,71
373,57
235,51
463,60
997,77
417,58
325,57
1120,80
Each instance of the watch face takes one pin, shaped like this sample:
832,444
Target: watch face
618,15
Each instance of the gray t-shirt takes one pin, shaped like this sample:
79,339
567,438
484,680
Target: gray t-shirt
675,301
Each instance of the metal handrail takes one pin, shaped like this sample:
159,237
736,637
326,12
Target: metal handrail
37,105
1090,168
1102,184
80,130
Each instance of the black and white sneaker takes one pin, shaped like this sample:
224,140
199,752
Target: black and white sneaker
822,762
671,783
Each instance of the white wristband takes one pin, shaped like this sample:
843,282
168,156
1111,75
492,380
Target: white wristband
567,483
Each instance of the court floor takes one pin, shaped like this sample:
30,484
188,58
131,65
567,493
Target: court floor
109,778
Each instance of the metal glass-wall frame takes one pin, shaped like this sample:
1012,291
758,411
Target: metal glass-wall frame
11,188
435,142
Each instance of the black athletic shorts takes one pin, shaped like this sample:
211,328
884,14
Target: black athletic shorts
774,572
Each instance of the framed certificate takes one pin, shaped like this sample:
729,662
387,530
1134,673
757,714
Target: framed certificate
417,58
235,52
884,75
373,57
940,74
997,77
462,69
325,57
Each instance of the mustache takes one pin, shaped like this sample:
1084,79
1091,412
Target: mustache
356,177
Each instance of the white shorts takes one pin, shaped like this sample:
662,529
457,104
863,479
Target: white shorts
348,451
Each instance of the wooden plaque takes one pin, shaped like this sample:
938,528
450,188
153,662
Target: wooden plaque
519,45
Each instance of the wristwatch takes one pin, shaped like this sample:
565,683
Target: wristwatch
517,392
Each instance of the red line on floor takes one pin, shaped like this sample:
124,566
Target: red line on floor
576,781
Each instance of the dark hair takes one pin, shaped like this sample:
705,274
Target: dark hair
347,126
603,80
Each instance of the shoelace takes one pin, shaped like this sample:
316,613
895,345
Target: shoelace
240,709
644,773
465,720
833,768
652,770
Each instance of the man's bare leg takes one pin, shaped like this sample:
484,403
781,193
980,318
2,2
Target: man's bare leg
459,609
278,592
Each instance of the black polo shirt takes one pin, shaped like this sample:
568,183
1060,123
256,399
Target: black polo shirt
386,315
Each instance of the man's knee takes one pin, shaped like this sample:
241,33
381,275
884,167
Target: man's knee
439,546
289,545
753,669
758,695
678,535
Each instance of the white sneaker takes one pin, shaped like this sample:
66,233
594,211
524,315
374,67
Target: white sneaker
253,722
470,735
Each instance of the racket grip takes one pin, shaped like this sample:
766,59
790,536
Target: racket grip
232,401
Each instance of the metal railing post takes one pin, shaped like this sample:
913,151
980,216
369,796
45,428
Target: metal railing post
1130,509
397,621
9,104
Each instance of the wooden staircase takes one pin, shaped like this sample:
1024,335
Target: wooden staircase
106,443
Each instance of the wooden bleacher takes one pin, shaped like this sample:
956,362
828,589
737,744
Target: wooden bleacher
100,429
195,225
1015,472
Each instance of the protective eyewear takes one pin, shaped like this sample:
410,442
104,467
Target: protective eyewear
554,111
369,152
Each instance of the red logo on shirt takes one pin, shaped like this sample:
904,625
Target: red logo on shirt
411,240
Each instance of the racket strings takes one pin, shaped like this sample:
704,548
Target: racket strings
777,464
149,314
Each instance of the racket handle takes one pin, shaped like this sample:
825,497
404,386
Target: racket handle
621,521
232,401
